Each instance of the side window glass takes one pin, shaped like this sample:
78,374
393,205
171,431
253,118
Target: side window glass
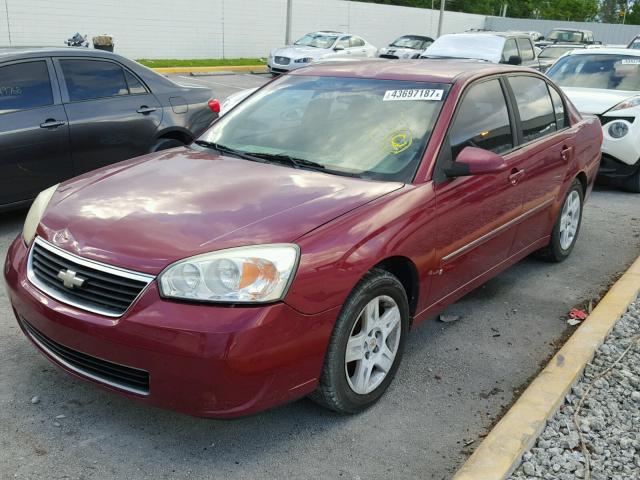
535,107
343,42
510,49
558,107
526,50
135,87
356,42
482,120
89,79
25,85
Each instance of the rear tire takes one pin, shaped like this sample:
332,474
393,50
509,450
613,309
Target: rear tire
166,143
567,226
366,345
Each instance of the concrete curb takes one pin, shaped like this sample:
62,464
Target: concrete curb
501,451
230,68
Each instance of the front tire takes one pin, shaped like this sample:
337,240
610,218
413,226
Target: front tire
165,144
567,226
366,345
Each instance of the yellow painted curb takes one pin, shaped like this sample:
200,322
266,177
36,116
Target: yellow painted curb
230,68
501,451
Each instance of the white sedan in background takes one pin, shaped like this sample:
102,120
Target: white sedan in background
317,45
606,82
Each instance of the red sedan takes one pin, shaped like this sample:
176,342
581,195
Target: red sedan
289,250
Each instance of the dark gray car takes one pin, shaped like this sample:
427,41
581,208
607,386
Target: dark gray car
66,111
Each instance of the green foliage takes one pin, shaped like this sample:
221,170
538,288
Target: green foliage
201,62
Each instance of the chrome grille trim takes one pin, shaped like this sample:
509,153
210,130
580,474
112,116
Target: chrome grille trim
89,264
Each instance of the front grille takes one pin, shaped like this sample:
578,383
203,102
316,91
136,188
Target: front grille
386,55
120,376
98,288
282,60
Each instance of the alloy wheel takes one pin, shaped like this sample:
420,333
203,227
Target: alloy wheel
373,344
570,219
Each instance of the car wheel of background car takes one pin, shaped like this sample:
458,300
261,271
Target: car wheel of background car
567,226
166,143
633,183
366,345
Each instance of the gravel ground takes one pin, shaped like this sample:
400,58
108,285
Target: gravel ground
607,401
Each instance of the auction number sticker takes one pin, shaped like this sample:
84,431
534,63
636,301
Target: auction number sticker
413,94
630,61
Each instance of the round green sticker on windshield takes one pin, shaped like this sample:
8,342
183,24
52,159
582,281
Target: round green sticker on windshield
399,141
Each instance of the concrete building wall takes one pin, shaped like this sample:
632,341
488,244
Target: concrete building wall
211,28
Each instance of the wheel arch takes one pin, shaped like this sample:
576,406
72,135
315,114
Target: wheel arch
406,271
582,178
181,135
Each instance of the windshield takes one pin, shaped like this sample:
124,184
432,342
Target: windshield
375,129
565,36
635,45
317,40
484,47
554,52
606,71
410,42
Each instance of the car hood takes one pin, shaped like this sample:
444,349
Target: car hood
595,101
146,213
399,51
294,51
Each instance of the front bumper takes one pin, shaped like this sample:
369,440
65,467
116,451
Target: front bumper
203,360
620,156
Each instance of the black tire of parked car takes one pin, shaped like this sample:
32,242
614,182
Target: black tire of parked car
166,143
333,391
554,252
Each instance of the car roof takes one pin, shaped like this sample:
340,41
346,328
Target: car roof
10,53
571,30
491,34
422,70
604,51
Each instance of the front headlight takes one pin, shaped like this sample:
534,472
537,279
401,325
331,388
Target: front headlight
628,103
406,55
303,60
618,129
38,207
253,274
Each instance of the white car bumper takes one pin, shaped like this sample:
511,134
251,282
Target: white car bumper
621,156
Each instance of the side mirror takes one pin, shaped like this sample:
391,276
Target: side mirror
541,37
338,48
476,161
515,60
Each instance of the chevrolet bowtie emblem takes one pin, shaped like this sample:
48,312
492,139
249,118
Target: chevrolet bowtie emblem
70,279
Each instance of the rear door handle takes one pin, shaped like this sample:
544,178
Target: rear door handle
52,123
515,176
565,154
144,109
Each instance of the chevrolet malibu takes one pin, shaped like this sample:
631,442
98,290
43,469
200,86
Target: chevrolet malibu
289,250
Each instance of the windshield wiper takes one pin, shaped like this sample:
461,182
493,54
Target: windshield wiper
295,162
228,150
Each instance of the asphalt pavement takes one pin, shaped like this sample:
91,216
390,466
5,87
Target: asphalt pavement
455,380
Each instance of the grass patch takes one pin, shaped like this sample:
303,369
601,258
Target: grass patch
201,62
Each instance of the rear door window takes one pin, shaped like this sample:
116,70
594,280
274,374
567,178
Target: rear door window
534,105
343,42
526,50
482,120
135,86
25,85
91,79
510,49
356,42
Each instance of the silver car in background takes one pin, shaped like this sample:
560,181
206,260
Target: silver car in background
318,45
407,46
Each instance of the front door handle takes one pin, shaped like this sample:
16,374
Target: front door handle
144,109
515,176
52,123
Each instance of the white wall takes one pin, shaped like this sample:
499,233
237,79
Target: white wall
211,28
